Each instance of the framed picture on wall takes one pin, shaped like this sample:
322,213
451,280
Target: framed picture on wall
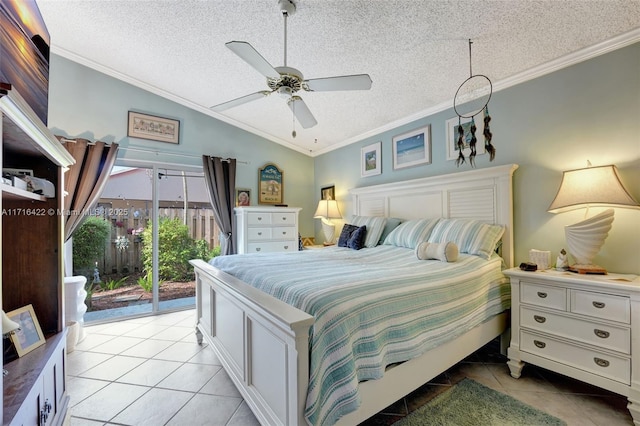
371,160
452,137
29,336
270,185
328,193
243,197
145,126
412,148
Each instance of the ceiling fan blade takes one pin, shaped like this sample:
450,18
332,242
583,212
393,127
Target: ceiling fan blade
247,53
301,112
345,82
241,100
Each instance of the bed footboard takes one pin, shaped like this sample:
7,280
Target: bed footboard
262,343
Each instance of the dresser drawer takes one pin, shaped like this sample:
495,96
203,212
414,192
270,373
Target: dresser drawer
259,234
596,362
273,246
542,295
600,305
590,332
284,218
284,233
258,218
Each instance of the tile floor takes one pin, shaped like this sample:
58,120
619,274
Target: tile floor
151,371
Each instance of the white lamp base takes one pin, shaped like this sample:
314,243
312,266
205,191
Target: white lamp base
585,239
329,230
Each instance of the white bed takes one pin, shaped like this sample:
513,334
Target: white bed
242,323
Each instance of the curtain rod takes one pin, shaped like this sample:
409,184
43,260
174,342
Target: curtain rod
149,151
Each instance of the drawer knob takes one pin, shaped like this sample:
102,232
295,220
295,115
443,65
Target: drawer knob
257,248
598,305
286,247
601,362
539,344
601,333
284,232
539,319
542,295
259,233
284,219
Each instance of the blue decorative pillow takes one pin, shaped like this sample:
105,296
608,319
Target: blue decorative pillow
356,241
347,230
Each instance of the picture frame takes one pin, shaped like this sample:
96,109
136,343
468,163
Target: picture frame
151,127
29,336
412,148
270,184
371,160
452,137
328,193
243,197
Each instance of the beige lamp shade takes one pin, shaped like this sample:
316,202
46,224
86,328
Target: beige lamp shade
8,325
592,186
327,210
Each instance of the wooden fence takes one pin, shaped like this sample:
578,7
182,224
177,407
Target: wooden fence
124,246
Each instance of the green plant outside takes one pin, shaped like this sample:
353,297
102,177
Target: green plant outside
114,284
89,242
175,249
146,282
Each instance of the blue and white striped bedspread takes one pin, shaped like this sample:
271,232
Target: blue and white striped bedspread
372,307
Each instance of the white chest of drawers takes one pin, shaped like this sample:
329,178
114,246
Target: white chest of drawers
266,229
585,327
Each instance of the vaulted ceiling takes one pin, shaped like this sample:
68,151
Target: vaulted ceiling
415,51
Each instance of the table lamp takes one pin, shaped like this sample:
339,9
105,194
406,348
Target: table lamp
591,186
327,210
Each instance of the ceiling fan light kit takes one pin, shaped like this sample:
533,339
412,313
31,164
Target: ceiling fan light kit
288,81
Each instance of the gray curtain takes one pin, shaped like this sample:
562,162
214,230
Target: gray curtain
220,176
85,180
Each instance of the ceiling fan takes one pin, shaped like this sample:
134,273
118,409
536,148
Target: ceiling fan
288,81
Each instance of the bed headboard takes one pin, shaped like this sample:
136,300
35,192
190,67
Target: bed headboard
484,194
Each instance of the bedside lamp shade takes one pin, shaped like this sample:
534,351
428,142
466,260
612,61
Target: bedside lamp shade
8,325
591,186
327,210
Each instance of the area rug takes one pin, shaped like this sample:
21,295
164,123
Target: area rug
470,403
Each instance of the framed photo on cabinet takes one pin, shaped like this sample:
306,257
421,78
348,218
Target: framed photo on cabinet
29,336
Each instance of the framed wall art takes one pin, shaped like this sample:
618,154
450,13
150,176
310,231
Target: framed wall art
328,193
144,126
371,160
243,197
412,148
270,185
452,137
29,336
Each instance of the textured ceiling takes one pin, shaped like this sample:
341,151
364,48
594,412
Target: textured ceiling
416,52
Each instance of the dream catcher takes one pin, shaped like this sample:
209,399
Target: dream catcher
471,99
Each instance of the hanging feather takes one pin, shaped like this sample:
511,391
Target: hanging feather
472,143
488,135
460,144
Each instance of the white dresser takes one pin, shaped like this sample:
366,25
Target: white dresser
266,229
583,326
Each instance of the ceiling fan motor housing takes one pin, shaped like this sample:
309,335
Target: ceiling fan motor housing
290,81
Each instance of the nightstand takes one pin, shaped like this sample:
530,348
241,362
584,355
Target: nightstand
583,326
